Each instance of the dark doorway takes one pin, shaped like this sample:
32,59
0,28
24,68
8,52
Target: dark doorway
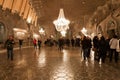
2,33
111,33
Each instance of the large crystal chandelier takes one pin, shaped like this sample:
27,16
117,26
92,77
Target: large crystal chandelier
61,24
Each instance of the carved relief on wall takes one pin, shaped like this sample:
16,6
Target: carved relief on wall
116,16
99,29
111,28
111,25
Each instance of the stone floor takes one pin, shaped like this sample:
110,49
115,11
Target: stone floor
51,64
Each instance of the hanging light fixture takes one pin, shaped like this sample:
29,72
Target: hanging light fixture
42,31
63,33
84,31
61,24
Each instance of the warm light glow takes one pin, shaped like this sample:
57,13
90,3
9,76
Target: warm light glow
29,20
65,56
41,31
36,36
42,59
84,31
63,33
52,36
20,33
19,30
61,24
78,36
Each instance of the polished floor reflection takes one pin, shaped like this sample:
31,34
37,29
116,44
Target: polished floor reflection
49,63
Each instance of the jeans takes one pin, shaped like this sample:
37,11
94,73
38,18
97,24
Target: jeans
10,53
85,53
113,52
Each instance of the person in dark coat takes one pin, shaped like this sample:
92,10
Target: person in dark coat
77,42
60,43
95,47
89,46
72,42
68,42
102,49
85,47
20,43
9,44
108,46
39,43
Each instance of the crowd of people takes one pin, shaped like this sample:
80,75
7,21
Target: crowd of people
62,42
102,47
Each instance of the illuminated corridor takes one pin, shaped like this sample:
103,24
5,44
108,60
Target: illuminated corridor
50,24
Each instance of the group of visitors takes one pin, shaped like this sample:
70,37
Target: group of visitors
105,47
101,46
74,42
37,43
9,44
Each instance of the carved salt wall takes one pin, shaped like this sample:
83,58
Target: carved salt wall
111,25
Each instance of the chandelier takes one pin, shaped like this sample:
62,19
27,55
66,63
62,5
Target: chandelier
61,24
84,31
42,31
